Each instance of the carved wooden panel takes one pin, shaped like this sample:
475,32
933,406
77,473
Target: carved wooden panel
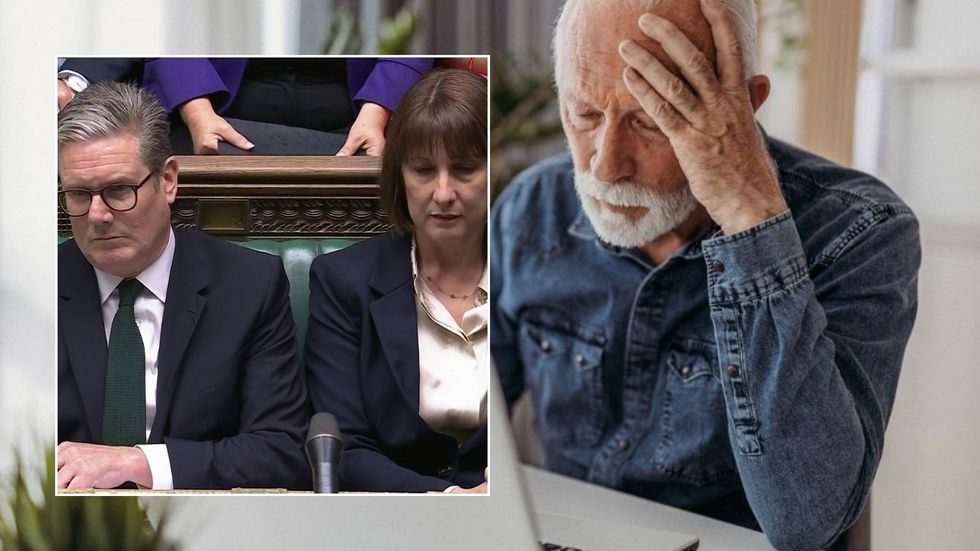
276,197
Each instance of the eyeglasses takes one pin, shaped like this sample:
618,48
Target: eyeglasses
118,197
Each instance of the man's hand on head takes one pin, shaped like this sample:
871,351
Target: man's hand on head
709,118
97,466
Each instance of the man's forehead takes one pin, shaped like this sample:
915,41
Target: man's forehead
119,143
595,29
116,153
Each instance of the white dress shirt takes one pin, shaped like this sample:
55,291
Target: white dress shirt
149,319
454,360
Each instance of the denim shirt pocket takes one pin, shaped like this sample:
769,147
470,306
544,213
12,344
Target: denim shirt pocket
694,445
564,373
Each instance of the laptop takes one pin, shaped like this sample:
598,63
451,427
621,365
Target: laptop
552,530
504,520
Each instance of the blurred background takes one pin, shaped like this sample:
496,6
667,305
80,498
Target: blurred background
891,87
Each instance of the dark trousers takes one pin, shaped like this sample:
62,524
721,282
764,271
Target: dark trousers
286,107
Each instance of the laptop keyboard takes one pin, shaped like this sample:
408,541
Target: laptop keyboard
555,547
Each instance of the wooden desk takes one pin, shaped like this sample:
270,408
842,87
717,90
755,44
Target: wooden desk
241,196
233,491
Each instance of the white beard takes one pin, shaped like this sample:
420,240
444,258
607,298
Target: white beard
664,212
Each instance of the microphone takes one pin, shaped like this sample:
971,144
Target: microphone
323,447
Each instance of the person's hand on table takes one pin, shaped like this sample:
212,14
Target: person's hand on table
97,466
65,95
207,128
367,132
479,489
708,118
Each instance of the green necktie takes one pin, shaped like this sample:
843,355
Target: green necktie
124,423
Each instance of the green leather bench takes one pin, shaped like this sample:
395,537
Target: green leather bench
297,255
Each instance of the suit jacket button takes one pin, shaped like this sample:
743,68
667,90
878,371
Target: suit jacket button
446,471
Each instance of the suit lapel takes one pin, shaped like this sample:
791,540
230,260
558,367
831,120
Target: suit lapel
394,317
186,300
83,331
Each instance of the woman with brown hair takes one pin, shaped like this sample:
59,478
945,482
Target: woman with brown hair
397,343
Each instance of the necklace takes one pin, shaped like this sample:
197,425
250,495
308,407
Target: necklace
454,296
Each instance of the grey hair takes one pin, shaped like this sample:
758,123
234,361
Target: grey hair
109,108
744,16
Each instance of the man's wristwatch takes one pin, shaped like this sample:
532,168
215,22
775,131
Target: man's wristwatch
75,82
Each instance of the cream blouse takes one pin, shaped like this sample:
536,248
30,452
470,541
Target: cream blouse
453,360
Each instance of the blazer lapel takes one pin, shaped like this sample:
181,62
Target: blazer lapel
186,299
83,332
394,316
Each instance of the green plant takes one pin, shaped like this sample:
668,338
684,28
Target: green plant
522,112
397,33
344,34
787,18
71,522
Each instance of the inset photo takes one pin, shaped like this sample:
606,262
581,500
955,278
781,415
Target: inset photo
273,275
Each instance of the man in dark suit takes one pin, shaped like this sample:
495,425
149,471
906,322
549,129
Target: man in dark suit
176,352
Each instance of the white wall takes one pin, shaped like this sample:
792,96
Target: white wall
33,34
927,493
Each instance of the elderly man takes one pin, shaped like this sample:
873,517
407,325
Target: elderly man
702,315
176,353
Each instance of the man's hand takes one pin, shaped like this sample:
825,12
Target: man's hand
207,128
480,489
97,466
709,119
65,95
367,132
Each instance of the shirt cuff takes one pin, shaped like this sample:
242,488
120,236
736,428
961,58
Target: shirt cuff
63,74
450,489
159,461
756,262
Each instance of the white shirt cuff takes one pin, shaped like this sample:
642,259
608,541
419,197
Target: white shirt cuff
450,489
159,461
63,74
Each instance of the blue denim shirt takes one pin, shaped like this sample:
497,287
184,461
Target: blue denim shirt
749,377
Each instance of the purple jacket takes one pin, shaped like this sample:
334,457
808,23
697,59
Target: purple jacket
175,80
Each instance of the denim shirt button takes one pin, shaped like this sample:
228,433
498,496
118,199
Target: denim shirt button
580,360
717,266
624,444
733,371
686,370
546,345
